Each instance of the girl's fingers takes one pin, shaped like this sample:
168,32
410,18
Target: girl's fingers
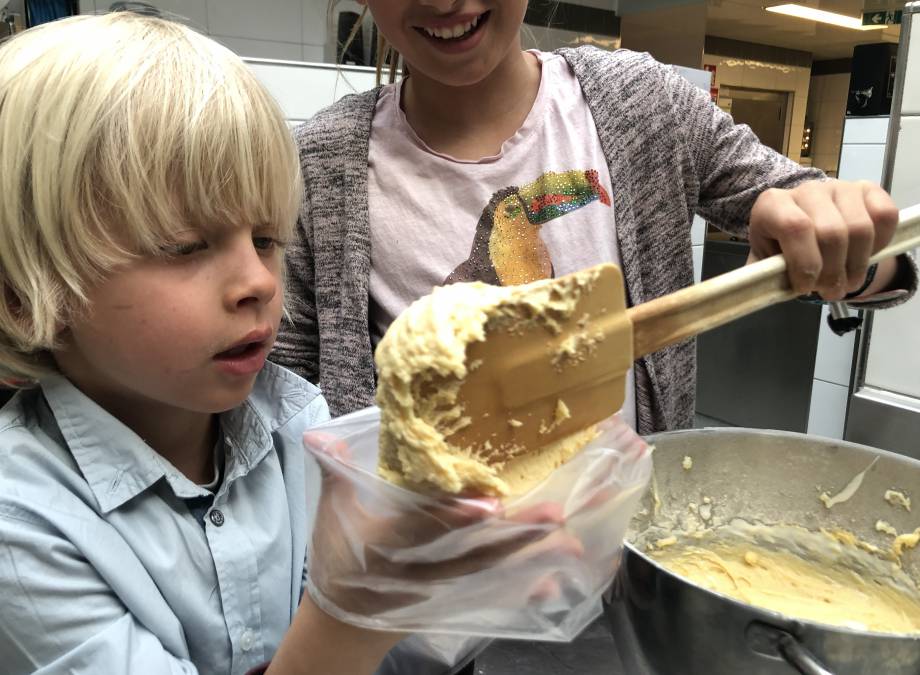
827,230
779,223
851,203
883,212
832,236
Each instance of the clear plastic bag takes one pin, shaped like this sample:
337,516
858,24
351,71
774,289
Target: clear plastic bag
533,567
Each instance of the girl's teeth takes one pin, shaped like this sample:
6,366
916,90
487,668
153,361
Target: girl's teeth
452,33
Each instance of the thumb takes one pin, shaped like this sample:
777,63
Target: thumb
330,452
322,442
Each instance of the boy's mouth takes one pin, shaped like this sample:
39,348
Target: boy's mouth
246,357
242,351
458,31
252,343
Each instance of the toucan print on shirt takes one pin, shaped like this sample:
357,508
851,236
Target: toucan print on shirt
507,249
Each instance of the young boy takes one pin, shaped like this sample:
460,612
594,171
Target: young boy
156,502
155,499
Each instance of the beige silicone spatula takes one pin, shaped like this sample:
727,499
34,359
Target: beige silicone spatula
522,391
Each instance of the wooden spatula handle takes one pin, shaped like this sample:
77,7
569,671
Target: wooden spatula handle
714,302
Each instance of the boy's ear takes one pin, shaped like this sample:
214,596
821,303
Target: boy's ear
13,304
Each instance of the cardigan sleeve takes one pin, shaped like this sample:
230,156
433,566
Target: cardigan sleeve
733,168
297,345
731,165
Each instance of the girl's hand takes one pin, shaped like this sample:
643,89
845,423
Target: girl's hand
827,230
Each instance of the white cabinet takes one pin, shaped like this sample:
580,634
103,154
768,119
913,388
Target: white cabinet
862,161
893,362
884,408
865,131
828,411
862,157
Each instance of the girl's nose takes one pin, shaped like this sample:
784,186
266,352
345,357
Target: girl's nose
443,6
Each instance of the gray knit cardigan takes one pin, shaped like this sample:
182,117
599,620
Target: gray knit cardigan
671,153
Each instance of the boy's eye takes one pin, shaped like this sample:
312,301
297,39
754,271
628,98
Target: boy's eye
265,243
181,248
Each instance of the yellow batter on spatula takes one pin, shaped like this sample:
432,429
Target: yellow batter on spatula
422,363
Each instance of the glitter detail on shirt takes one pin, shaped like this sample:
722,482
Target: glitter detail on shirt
507,248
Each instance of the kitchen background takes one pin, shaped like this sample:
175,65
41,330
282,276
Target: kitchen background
800,84
803,86
746,47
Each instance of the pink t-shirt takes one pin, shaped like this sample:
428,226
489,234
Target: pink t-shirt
540,208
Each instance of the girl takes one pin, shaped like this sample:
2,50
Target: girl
489,163
155,500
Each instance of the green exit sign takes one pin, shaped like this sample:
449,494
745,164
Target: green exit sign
881,18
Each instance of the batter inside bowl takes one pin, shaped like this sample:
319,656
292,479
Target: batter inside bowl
828,577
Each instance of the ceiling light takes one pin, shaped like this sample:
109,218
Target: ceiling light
821,16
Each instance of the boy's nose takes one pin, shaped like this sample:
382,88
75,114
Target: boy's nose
252,281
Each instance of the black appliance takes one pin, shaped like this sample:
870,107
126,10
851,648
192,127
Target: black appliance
872,79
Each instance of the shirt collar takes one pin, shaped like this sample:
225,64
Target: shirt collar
277,397
118,465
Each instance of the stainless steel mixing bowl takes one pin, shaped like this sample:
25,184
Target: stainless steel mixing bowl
664,624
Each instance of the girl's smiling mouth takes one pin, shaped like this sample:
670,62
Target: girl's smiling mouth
453,31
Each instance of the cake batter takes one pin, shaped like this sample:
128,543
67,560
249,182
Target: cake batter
421,364
849,587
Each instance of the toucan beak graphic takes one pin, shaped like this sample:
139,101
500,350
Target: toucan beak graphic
555,194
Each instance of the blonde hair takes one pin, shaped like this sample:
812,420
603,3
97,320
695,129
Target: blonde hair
116,132
387,56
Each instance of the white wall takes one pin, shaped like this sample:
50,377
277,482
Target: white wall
303,89
293,30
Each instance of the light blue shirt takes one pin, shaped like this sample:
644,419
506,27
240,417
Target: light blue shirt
103,569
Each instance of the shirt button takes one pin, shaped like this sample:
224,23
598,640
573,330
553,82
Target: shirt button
247,640
216,517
